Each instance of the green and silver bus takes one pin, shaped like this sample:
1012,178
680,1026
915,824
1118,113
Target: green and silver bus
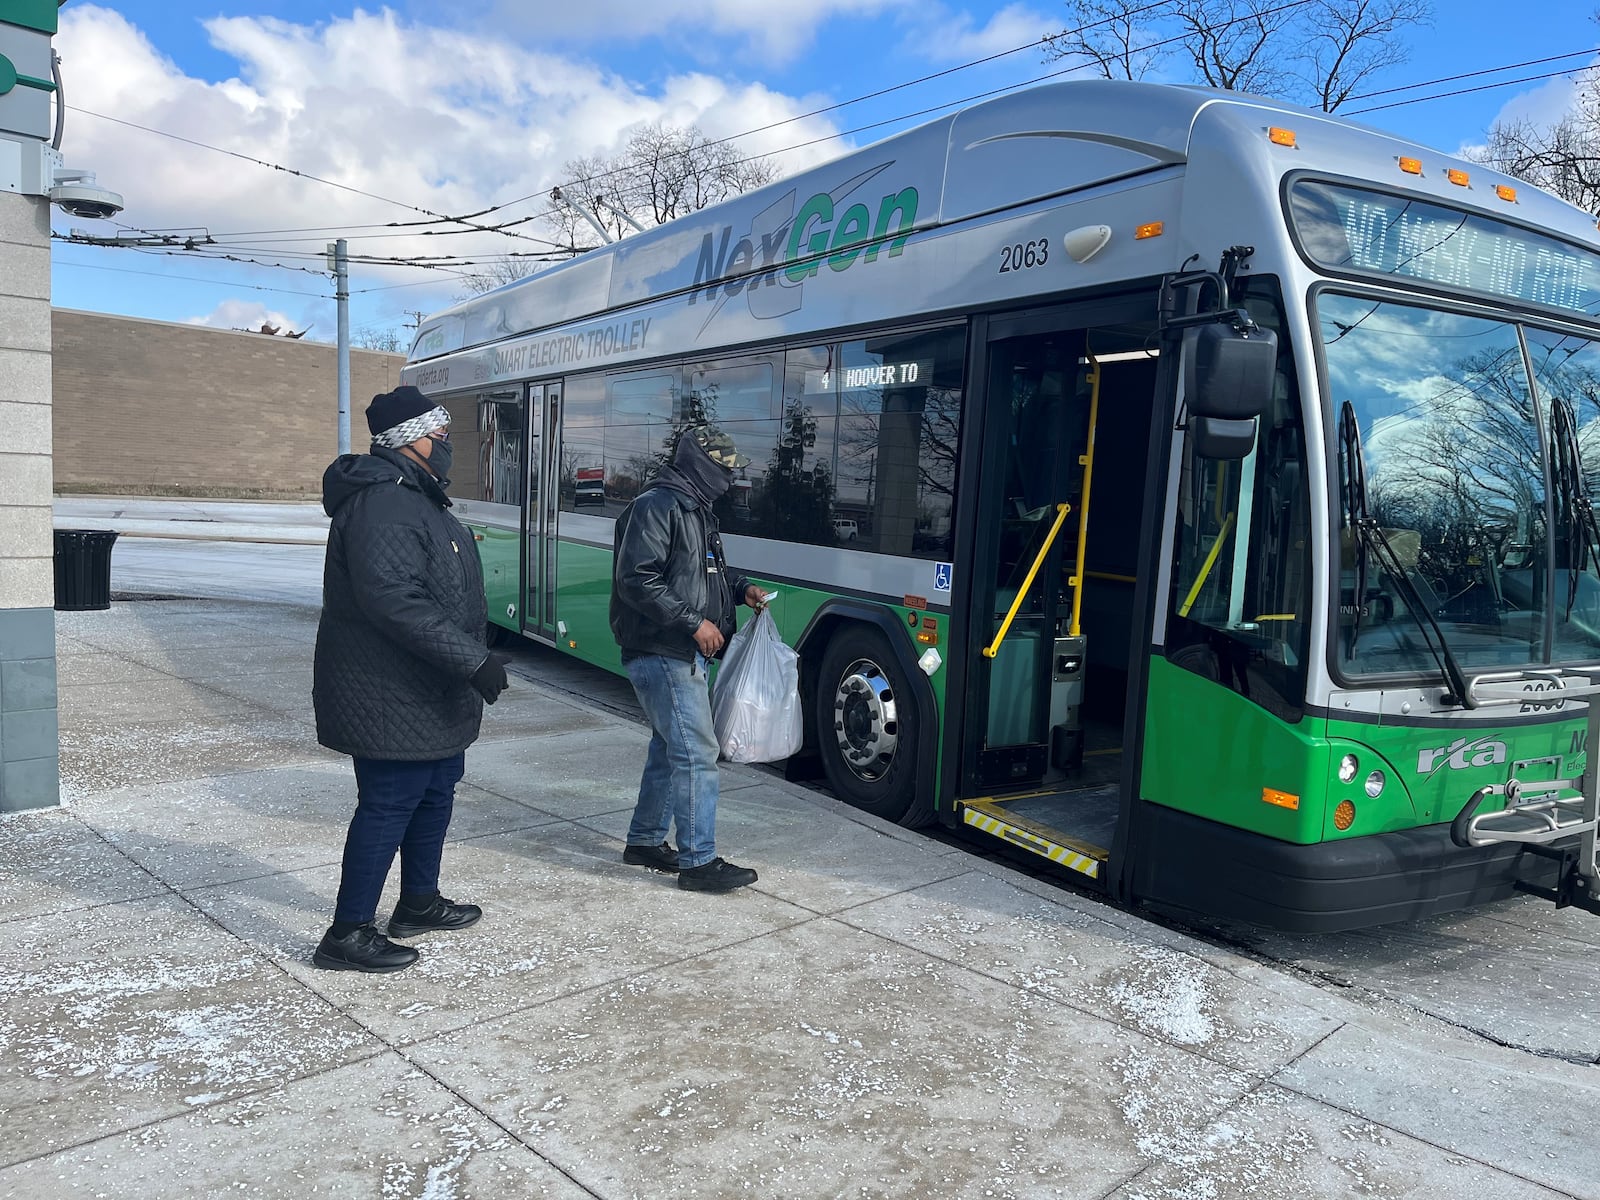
1184,488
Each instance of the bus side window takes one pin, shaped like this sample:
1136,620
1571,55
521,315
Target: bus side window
487,430
643,415
741,398
900,409
583,447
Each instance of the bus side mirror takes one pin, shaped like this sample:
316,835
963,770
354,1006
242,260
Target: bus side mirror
1231,383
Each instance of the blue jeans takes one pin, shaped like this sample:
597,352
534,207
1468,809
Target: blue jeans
680,769
402,806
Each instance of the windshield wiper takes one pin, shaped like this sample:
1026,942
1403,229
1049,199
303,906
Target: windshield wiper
1368,533
1577,513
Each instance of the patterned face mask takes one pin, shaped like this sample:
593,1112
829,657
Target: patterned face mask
407,432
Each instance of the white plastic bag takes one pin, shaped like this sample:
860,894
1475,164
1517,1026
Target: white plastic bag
755,705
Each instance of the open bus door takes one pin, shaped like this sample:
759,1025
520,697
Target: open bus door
539,513
1068,407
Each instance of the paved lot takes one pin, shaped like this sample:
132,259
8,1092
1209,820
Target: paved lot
880,1016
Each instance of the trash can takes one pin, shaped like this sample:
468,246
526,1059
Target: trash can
83,569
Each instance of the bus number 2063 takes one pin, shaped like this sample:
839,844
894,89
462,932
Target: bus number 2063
1023,255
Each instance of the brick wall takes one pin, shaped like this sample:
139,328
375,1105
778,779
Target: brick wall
156,406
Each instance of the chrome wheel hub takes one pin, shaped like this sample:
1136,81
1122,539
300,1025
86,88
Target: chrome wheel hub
865,721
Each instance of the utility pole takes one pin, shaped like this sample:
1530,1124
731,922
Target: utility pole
339,264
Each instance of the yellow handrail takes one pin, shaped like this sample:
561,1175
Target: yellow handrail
1205,569
1083,501
993,647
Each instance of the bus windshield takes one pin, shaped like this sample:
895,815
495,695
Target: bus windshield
1455,438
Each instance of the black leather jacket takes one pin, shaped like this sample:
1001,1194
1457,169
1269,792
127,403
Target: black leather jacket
669,575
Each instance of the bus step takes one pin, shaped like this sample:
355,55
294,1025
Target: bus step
994,817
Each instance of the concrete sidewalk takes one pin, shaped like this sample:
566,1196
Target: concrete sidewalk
882,1015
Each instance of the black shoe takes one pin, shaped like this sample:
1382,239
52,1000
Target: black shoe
657,858
440,914
718,875
362,949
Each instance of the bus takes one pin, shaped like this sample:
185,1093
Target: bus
1186,489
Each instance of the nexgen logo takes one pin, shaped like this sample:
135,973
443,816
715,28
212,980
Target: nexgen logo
1461,754
761,264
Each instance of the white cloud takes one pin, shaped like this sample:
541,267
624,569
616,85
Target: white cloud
1542,106
956,37
244,314
446,120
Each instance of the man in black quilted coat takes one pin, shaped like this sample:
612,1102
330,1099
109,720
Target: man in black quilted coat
401,676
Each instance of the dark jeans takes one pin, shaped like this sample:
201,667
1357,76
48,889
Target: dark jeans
402,806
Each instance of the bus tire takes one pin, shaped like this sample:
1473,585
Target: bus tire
866,723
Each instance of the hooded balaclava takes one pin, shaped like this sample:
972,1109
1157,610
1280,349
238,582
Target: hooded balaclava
695,473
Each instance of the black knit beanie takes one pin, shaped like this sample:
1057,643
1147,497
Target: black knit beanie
389,409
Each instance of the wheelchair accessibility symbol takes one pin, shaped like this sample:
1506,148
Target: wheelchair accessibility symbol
942,573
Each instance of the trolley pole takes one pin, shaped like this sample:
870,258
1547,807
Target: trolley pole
339,263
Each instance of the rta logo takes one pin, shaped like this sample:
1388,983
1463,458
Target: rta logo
1461,754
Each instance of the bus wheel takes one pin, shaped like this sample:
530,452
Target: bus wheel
866,724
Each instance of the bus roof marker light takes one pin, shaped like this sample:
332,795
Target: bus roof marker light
1411,166
1282,137
1459,178
1508,194
1085,242
1150,229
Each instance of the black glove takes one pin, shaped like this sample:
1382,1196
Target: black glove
490,677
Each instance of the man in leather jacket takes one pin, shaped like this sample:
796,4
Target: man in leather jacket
672,610
401,674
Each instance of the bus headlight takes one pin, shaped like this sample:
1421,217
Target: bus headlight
1375,783
1348,766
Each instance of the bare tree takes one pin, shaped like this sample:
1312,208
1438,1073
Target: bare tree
1236,45
500,271
664,171
1563,158
1316,52
1106,35
378,337
1353,41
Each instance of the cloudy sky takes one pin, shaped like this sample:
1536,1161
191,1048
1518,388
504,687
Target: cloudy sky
274,129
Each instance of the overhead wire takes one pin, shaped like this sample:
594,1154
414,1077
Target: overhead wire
1463,92
1517,66
230,284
